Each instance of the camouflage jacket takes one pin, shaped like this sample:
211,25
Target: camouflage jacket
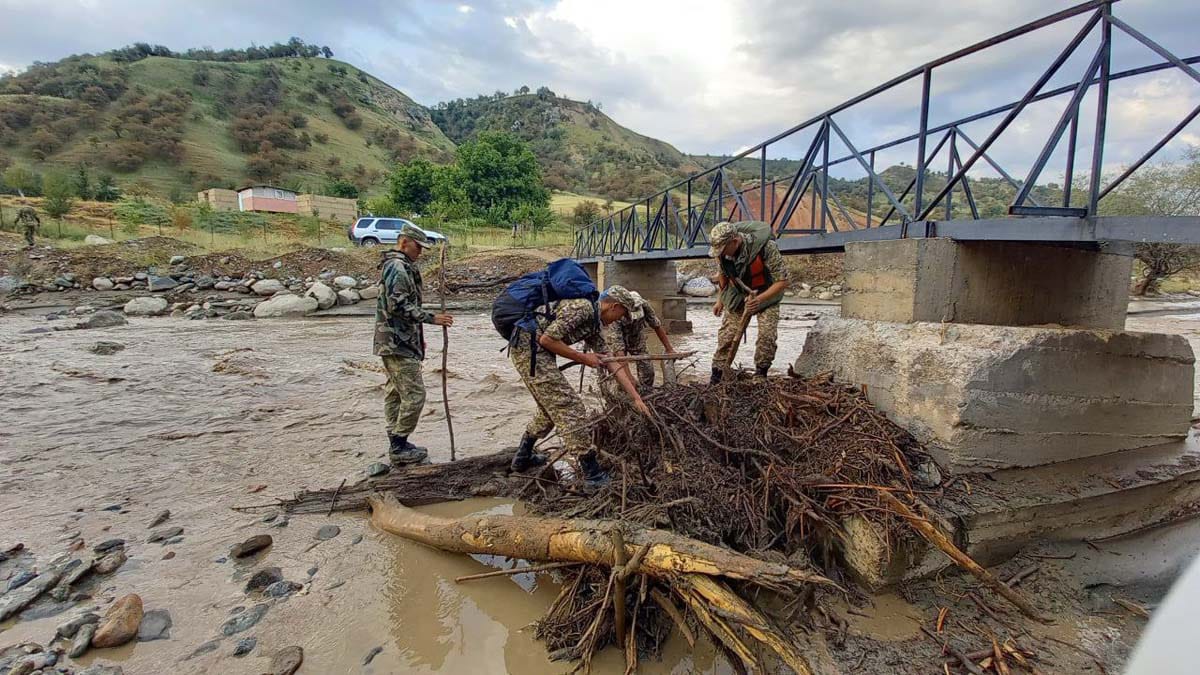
28,217
629,336
398,313
574,321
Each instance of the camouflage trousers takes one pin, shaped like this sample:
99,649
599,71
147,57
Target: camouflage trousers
768,335
611,389
558,405
404,394
29,235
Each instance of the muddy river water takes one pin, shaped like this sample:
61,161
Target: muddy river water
201,416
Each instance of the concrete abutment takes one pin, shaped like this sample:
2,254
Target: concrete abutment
656,282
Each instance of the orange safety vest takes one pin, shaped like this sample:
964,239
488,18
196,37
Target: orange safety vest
760,278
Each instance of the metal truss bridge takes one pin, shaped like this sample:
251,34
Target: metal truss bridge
807,216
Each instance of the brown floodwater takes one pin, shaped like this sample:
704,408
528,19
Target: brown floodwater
201,416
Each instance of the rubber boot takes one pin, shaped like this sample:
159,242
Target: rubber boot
403,452
594,477
716,376
526,458
761,371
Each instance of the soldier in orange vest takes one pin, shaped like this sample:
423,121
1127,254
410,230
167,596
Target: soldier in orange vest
753,279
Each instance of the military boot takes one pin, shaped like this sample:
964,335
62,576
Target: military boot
594,477
526,458
761,371
403,452
716,376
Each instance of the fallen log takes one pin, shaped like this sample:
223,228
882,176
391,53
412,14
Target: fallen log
586,541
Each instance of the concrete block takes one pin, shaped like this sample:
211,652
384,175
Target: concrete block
673,308
654,279
989,397
999,283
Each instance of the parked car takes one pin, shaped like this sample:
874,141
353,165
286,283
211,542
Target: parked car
372,231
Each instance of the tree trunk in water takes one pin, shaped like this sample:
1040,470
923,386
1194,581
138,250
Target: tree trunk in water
1144,284
585,541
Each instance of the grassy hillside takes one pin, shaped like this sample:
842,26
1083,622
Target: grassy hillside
579,147
173,124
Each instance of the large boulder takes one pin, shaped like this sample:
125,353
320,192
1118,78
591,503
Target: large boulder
285,305
147,306
347,296
345,281
120,624
324,295
95,240
267,287
8,284
102,284
370,292
699,287
102,319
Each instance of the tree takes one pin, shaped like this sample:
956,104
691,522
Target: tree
1163,190
58,196
22,180
500,172
411,185
327,52
342,188
585,212
106,189
83,182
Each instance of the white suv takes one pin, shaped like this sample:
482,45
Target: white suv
371,231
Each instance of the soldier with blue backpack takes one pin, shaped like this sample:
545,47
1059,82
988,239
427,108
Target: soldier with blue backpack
542,315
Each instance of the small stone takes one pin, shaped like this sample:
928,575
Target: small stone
157,284
345,281
111,562
263,578
270,517
282,589
372,654
172,540
102,319
312,571
825,295
155,625
282,522
205,648
378,469
120,623
357,539
370,292
168,555
245,620
106,348
102,284
328,532
245,646
176,259
23,577
146,306
287,661
83,640
109,544
251,546
164,534
159,519
240,315
70,628
267,287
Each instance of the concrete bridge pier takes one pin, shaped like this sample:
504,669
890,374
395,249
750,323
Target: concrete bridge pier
654,280
1011,359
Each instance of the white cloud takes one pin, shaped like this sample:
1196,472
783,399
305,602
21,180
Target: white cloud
465,9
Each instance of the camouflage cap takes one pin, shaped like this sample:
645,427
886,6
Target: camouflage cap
415,233
632,302
721,233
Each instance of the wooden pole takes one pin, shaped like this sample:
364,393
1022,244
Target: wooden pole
737,341
445,352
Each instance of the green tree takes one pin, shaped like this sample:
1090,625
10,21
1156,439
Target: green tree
410,186
535,217
83,182
585,212
499,171
21,179
342,188
106,190
58,196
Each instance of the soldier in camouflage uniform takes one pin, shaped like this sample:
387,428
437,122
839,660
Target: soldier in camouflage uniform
28,218
558,404
628,337
400,341
752,278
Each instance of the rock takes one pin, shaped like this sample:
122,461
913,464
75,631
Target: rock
245,646
106,348
159,519
145,306
205,282
825,295
239,315
357,539
83,639
63,282
156,283
282,589
699,287
345,281
210,646
111,562
176,259
155,625
347,296
70,628
245,620
224,285
120,623
251,546
378,469
102,319
109,544
76,570
371,655
102,284
287,661
370,292
8,284
96,240
804,293
23,577
266,287
328,532
168,555
324,295
285,305
164,534
263,578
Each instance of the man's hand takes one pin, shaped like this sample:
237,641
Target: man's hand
718,308
443,320
590,359
642,407
752,304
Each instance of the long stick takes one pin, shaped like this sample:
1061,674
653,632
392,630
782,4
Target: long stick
531,569
936,537
445,351
737,341
674,356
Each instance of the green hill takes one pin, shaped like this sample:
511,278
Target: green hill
579,147
180,124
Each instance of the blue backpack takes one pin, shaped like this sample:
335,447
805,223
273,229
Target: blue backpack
517,305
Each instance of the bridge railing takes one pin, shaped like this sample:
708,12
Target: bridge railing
680,216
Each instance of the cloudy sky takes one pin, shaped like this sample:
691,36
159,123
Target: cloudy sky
706,75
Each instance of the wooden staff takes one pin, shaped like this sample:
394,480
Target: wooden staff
445,351
737,341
